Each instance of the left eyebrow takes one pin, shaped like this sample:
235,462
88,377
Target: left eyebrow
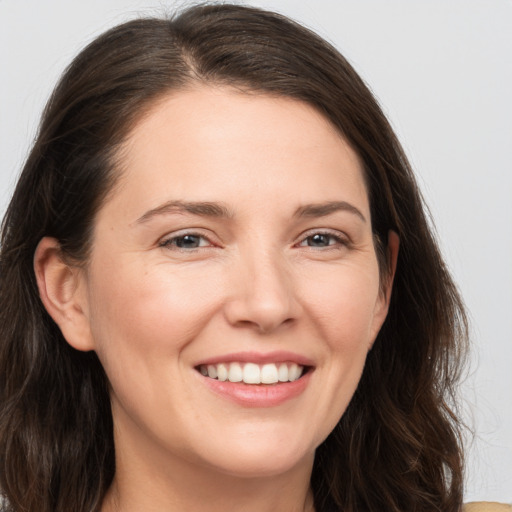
202,208
324,209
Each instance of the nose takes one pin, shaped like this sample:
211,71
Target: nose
262,294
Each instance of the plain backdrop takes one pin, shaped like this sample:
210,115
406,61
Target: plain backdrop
442,70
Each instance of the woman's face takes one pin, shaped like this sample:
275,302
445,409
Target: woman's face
238,244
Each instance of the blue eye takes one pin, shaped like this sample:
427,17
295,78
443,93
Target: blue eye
188,241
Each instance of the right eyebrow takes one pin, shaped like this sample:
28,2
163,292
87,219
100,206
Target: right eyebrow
202,208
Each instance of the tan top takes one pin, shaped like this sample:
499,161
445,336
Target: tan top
487,506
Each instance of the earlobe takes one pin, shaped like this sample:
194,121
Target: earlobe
62,291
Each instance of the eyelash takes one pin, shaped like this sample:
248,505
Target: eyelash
173,242
339,241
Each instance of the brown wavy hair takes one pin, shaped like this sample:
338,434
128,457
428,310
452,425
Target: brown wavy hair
397,447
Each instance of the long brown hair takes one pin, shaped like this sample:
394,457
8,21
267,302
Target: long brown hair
397,447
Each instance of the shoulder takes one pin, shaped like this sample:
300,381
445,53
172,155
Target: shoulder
486,506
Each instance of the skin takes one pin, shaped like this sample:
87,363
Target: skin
258,281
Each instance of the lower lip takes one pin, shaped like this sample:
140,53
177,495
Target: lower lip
258,395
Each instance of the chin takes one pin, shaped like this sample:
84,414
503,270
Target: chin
259,456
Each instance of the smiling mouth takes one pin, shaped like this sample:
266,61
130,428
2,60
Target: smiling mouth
252,373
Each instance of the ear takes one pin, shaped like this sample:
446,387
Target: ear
382,304
63,292
392,257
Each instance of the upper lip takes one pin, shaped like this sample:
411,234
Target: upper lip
279,356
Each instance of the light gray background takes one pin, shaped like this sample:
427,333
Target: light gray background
442,69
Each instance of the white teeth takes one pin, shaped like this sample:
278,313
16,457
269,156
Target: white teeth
251,373
282,373
222,372
235,373
269,374
294,372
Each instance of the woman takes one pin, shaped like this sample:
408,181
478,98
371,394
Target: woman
219,289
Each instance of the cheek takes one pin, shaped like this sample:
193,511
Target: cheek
142,315
344,315
343,311
143,323
343,306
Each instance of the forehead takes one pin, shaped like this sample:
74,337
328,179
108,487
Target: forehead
207,141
